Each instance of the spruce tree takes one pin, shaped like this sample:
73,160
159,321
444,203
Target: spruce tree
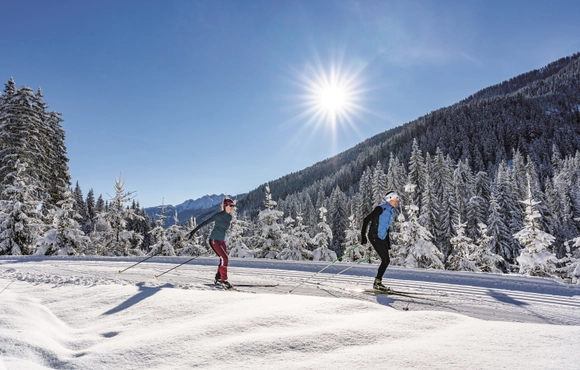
322,240
536,258
64,235
19,219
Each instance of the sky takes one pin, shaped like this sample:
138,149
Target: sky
79,313
185,98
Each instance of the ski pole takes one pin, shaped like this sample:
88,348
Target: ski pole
120,271
181,264
324,268
346,269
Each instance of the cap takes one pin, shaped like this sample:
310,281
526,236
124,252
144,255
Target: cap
392,195
228,202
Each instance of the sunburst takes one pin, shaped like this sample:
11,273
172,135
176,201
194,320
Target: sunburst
331,98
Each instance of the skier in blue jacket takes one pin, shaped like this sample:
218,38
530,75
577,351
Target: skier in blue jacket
380,219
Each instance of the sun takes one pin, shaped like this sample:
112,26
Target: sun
331,97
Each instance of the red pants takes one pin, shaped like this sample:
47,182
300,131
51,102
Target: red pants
219,246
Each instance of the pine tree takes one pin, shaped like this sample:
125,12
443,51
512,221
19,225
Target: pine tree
510,213
396,179
80,205
236,239
535,259
295,241
379,185
269,238
64,235
498,231
414,247
359,252
463,249
111,233
91,212
338,215
570,271
366,192
484,258
416,172
19,218
322,239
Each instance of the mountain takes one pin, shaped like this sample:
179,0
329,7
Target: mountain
199,208
534,113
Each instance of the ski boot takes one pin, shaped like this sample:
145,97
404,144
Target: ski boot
378,286
224,284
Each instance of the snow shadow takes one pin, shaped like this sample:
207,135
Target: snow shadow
144,292
504,298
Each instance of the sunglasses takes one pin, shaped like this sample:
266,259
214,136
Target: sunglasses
230,205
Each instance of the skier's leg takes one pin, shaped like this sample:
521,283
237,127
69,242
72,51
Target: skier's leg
219,246
382,247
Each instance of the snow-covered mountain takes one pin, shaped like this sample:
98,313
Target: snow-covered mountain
189,208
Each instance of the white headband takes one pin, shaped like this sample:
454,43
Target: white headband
392,195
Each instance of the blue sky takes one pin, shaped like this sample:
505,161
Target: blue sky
189,98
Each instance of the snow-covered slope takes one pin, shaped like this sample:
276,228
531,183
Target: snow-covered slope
80,313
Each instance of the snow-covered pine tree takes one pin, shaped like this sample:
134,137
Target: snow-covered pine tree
269,238
236,237
322,240
416,172
295,241
338,217
352,236
193,246
91,212
112,235
396,179
64,235
176,234
32,135
463,248
463,183
510,213
498,231
535,258
378,185
484,258
80,205
366,192
428,217
20,223
162,245
444,205
570,271
414,247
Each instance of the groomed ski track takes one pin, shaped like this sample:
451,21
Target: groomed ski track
485,296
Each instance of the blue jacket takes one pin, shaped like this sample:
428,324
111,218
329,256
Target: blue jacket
383,215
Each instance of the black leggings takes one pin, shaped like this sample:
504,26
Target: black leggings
382,247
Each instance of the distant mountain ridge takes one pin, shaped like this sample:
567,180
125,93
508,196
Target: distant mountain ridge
198,208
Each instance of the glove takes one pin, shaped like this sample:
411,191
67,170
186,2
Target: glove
363,240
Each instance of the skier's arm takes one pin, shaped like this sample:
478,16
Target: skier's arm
211,219
375,213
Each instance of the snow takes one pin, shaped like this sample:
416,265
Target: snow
79,313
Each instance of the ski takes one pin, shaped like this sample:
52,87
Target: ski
394,292
257,285
245,286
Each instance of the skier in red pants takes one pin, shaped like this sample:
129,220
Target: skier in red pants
217,240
